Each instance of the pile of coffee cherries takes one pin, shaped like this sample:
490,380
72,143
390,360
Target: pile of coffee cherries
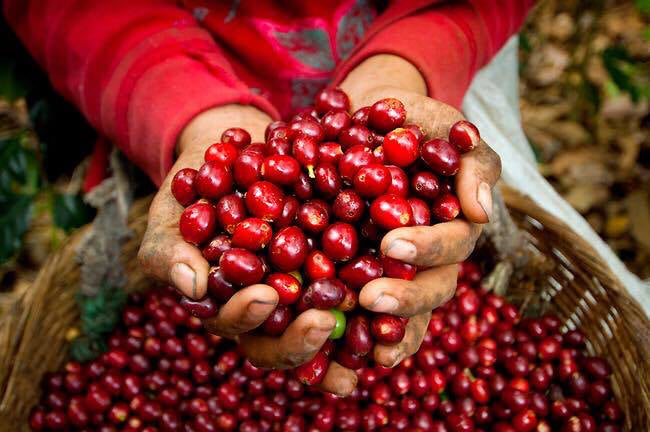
305,211
480,368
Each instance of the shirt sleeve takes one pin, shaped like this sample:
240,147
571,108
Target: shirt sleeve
448,42
139,70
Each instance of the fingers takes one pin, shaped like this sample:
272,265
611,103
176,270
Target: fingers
299,343
163,253
479,171
245,311
428,246
339,380
391,355
430,289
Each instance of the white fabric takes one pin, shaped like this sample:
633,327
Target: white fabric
492,103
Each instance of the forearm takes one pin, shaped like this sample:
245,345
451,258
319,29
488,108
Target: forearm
381,71
207,127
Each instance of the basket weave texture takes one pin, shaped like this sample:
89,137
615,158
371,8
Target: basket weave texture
573,283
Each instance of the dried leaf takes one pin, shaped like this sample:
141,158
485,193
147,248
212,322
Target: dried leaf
585,196
638,204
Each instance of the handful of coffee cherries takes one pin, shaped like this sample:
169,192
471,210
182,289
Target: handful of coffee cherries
305,211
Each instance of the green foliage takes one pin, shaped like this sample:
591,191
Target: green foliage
12,87
643,5
14,221
19,182
625,73
99,316
70,211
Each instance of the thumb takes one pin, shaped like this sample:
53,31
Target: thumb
479,171
165,255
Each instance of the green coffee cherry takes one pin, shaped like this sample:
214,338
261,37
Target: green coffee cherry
339,328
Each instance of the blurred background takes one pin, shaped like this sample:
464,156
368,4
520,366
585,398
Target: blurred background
585,90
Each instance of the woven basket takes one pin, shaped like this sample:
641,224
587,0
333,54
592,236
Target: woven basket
573,283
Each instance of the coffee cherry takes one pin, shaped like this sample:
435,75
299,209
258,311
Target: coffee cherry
218,286
278,146
426,185
318,266
330,153
397,269
277,321
387,329
325,293
306,128
289,212
224,152
441,157
305,150
287,287
247,167
303,188
391,211
213,180
348,206
272,127
280,169
399,182
356,135
446,207
183,187
597,367
350,300
328,181
415,130
198,222
358,339
372,180
353,160
340,241
288,249
360,271
203,308
334,122
217,246
386,115
97,400
241,267
313,372
252,234
360,116
339,328
238,137
313,216
330,99
421,212
465,136
265,201
400,147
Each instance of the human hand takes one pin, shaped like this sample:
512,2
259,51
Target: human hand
165,255
437,248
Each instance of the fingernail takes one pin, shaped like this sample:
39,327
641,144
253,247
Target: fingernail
315,337
401,250
259,309
397,360
384,303
184,278
484,198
